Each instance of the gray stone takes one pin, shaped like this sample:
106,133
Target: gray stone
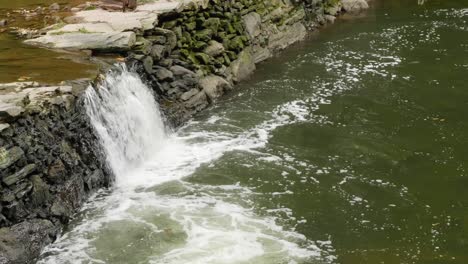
164,74
198,101
9,180
187,95
148,64
3,22
330,19
171,38
214,86
9,157
104,42
289,35
23,242
54,7
243,67
261,54
354,6
22,189
4,126
40,193
252,24
157,52
180,71
214,48
56,171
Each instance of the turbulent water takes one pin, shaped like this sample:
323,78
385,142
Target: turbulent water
350,148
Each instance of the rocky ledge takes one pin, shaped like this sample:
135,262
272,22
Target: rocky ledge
190,52
50,163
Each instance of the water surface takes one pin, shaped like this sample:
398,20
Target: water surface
348,148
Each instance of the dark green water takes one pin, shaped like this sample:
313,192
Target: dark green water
351,147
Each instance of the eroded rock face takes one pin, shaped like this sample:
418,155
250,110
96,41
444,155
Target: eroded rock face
50,163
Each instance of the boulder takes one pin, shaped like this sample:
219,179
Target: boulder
23,242
214,48
354,6
252,24
54,7
187,95
164,74
3,22
243,67
9,157
19,175
157,52
214,86
180,71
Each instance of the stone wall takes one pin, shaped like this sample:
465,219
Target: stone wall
50,163
193,57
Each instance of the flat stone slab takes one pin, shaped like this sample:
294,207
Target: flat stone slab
16,99
83,28
101,29
113,41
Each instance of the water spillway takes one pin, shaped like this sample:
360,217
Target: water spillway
153,215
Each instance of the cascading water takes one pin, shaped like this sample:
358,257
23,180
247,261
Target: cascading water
153,215
127,120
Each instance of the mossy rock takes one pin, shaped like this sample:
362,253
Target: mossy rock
204,35
203,58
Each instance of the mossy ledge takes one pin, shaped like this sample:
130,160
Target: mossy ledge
190,55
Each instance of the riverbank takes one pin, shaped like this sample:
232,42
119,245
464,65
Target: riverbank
189,53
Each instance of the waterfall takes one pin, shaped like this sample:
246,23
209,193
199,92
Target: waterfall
127,120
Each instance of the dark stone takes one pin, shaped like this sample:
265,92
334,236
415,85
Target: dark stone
9,180
148,64
180,71
23,242
164,75
9,157
56,172
158,52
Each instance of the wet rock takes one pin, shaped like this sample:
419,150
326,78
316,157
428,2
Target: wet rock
9,157
21,174
54,7
164,74
198,101
40,191
214,48
180,71
330,19
214,86
56,172
22,189
354,6
4,126
187,95
158,52
23,242
171,38
148,64
243,67
252,23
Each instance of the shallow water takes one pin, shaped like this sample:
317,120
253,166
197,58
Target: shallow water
21,62
348,148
